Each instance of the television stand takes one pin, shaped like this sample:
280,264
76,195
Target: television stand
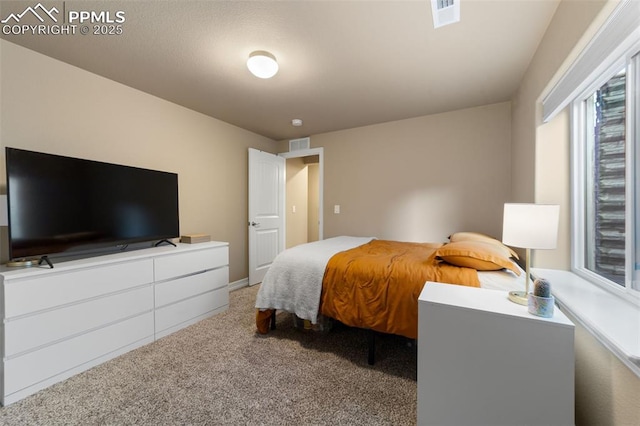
164,241
55,324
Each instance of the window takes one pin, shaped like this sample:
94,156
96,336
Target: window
607,178
602,88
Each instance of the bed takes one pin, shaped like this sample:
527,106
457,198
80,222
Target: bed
375,284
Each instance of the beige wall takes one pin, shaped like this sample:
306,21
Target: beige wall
296,196
52,107
552,186
419,179
571,20
606,390
313,202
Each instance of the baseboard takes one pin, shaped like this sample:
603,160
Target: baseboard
236,285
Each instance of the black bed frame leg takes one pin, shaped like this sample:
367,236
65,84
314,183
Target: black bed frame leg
273,320
371,359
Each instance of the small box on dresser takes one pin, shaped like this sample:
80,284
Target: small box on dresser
195,238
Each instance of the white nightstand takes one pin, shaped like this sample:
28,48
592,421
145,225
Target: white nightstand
483,360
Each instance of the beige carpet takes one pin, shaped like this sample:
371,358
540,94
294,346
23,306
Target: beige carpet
220,372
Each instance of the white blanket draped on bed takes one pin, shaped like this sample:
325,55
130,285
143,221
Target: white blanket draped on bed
293,283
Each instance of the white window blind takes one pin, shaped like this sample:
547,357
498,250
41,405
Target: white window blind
623,24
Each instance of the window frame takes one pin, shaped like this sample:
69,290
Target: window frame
608,313
579,177
633,129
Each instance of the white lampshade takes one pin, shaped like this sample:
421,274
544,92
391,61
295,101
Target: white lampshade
262,64
4,213
532,226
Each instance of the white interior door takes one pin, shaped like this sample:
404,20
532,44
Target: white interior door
266,211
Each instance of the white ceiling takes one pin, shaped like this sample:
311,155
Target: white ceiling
343,64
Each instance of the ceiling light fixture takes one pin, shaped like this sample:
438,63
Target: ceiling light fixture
296,122
262,64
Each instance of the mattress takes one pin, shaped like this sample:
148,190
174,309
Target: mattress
503,280
295,280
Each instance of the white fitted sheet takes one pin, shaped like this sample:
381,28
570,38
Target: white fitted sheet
502,280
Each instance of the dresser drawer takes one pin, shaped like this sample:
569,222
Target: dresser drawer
34,367
37,293
181,264
29,332
172,291
185,310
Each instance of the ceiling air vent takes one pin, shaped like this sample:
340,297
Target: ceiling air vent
299,144
445,12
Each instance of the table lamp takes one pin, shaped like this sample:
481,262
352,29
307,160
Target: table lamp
529,226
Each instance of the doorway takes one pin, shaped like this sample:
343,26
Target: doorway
304,200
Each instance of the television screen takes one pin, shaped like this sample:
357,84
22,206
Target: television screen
64,205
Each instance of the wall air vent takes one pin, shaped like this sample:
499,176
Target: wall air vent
445,12
299,144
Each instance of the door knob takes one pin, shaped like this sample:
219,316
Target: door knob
254,223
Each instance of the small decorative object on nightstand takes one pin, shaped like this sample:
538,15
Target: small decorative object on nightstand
541,301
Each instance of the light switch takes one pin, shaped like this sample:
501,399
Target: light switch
293,209
336,209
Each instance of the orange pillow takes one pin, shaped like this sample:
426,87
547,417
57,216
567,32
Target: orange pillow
479,255
476,236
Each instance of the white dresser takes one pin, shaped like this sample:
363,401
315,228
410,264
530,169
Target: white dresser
61,321
483,360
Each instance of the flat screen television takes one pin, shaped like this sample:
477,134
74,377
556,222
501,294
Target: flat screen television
65,206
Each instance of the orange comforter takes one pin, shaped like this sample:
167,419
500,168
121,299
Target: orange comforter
377,285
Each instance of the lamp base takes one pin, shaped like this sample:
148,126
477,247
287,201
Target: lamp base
519,297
